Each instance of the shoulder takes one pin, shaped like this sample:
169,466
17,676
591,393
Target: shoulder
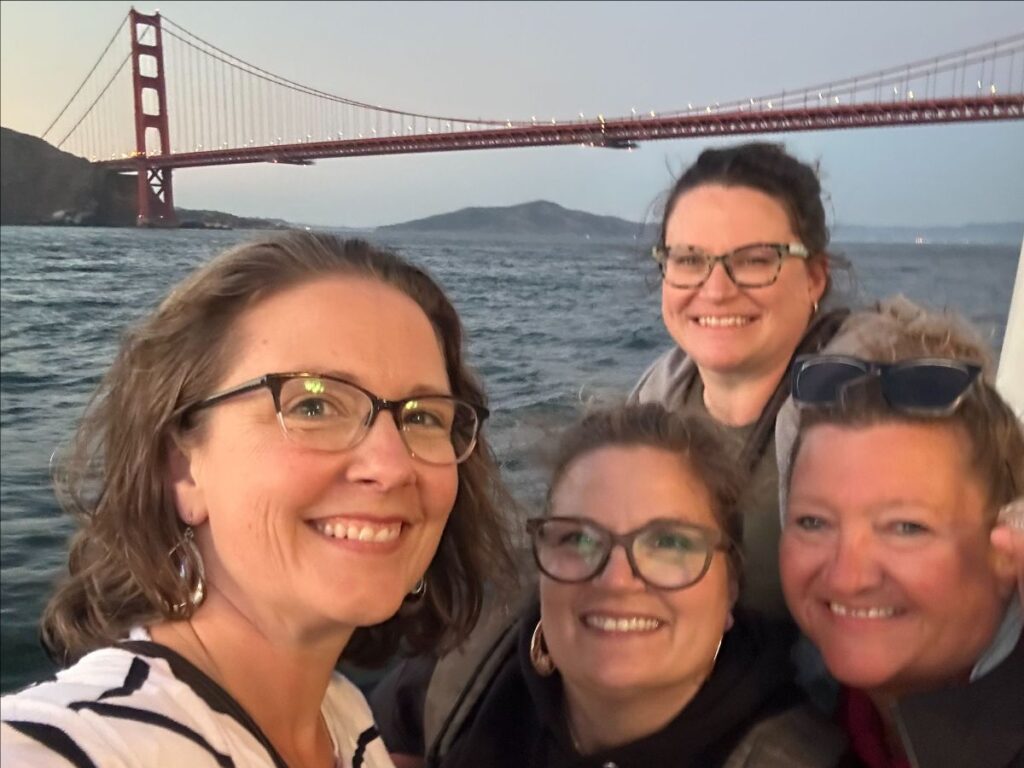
799,737
351,723
115,708
665,379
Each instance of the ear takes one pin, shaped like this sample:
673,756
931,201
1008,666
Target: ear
817,277
181,483
734,595
1007,561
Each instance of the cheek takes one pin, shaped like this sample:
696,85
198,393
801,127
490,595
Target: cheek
796,563
556,614
441,488
673,300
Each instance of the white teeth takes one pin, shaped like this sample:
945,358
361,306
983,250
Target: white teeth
723,322
364,532
862,613
611,624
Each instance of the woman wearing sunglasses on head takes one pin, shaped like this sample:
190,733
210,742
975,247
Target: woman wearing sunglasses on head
635,654
743,254
900,463
283,467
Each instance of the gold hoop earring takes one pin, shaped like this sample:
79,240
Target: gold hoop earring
188,561
539,656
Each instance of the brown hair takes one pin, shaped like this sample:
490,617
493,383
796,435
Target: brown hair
112,479
900,330
768,168
691,438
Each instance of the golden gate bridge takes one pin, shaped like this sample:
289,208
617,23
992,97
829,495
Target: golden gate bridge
183,102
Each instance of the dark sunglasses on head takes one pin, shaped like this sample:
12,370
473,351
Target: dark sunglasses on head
924,386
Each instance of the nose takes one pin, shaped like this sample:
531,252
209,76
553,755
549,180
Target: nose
618,573
381,458
855,567
718,285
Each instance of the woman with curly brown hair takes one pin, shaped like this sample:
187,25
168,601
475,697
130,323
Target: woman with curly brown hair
283,467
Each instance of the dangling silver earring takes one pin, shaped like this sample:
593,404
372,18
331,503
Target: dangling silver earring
539,656
717,649
418,592
188,562
814,309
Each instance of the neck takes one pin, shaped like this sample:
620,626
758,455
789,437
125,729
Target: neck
738,398
597,723
297,670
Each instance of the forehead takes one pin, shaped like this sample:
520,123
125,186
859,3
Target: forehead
720,218
625,487
356,326
870,467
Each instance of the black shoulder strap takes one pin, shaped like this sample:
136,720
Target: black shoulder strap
819,333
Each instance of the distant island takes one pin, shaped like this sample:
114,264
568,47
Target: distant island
540,218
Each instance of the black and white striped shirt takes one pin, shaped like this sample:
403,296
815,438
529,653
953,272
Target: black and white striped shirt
141,705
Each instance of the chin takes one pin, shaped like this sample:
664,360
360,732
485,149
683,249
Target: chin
367,612
862,674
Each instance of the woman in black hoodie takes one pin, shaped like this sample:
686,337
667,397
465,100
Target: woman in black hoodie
634,654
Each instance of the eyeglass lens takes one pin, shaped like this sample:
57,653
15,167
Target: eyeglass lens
753,265
667,556
332,415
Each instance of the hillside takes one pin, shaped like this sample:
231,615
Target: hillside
536,218
40,184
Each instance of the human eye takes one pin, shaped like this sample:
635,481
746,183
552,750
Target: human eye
755,256
810,523
908,528
686,259
313,399
674,541
579,541
428,414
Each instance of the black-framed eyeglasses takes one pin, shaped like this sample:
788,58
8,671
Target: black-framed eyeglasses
922,386
666,554
756,265
330,414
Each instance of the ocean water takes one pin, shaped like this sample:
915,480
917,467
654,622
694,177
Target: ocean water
550,325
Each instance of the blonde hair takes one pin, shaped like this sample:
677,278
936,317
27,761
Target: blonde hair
901,330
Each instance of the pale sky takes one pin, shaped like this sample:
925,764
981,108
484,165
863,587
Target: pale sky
516,60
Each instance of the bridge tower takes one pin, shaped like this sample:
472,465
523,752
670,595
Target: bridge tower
154,194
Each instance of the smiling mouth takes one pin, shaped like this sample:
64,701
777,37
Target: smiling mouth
621,624
361,531
723,321
872,612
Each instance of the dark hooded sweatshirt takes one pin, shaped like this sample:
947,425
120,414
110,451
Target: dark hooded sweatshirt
520,720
